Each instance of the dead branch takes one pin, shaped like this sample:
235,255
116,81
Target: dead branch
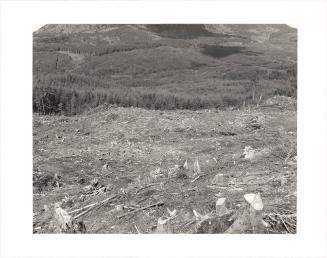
270,217
286,227
138,231
98,204
147,186
83,208
140,209
198,177
288,216
188,223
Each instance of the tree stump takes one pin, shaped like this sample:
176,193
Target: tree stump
219,180
249,219
164,226
221,208
64,223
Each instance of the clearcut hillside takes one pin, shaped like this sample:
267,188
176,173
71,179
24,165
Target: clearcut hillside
166,67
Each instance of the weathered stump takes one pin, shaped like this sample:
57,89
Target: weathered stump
249,218
164,226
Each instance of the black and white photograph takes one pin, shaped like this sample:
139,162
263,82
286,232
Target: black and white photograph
173,129
165,128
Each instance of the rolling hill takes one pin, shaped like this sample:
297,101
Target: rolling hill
181,66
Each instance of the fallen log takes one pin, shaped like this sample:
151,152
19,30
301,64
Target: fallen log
94,205
82,208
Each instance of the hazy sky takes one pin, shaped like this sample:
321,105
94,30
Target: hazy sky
36,27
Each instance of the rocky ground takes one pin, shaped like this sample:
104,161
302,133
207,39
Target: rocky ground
168,159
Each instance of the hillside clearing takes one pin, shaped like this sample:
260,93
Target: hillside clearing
137,156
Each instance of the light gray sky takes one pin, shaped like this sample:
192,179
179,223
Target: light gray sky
37,26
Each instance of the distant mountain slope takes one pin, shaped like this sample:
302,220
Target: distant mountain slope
75,28
173,59
184,31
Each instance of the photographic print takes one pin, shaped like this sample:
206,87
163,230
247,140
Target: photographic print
165,128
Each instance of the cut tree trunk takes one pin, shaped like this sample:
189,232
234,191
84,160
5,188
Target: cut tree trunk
221,208
249,219
64,223
164,226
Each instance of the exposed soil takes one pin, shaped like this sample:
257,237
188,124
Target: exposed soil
138,155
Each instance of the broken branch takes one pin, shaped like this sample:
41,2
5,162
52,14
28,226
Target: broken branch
97,204
141,209
83,208
198,177
147,186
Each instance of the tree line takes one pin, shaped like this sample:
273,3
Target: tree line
72,101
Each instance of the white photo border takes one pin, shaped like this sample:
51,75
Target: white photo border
20,18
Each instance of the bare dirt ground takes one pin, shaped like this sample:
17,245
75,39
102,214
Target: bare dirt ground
136,156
